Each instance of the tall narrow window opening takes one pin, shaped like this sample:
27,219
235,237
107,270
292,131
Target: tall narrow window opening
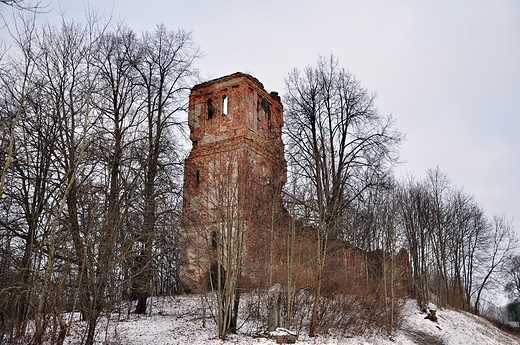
224,105
214,241
209,105
265,105
258,108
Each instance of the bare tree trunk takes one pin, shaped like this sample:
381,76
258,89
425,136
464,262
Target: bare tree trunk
144,275
291,243
46,291
322,255
315,308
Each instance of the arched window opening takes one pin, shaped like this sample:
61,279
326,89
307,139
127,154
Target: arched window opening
224,105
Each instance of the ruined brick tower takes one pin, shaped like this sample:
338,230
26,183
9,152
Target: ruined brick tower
233,176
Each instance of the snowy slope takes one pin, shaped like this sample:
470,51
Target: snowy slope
180,320
453,327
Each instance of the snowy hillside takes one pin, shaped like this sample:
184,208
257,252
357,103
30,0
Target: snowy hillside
179,320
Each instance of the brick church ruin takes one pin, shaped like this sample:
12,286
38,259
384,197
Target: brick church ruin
233,181
234,174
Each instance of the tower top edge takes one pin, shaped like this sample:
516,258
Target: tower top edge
236,75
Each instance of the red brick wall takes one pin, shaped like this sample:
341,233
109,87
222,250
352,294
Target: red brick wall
241,149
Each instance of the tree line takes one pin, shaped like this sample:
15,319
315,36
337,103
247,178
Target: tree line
92,122
341,152
91,170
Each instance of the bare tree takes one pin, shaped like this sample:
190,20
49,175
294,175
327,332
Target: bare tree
165,71
25,5
15,75
512,276
456,253
502,242
467,239
340,144
394,262
227,228
117,133
415,219
28,149
440,228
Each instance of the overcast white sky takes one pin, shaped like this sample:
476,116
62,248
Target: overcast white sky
448,70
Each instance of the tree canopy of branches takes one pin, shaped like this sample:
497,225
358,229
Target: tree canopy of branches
512,272
92,181
456,252
338,145
340,152
23,5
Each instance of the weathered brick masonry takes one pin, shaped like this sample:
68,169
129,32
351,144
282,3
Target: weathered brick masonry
236,170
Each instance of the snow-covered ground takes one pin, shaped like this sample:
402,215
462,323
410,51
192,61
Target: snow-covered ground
180,320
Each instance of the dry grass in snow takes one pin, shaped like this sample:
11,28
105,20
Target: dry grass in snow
181,320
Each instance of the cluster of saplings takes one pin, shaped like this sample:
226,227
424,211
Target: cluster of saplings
92,140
